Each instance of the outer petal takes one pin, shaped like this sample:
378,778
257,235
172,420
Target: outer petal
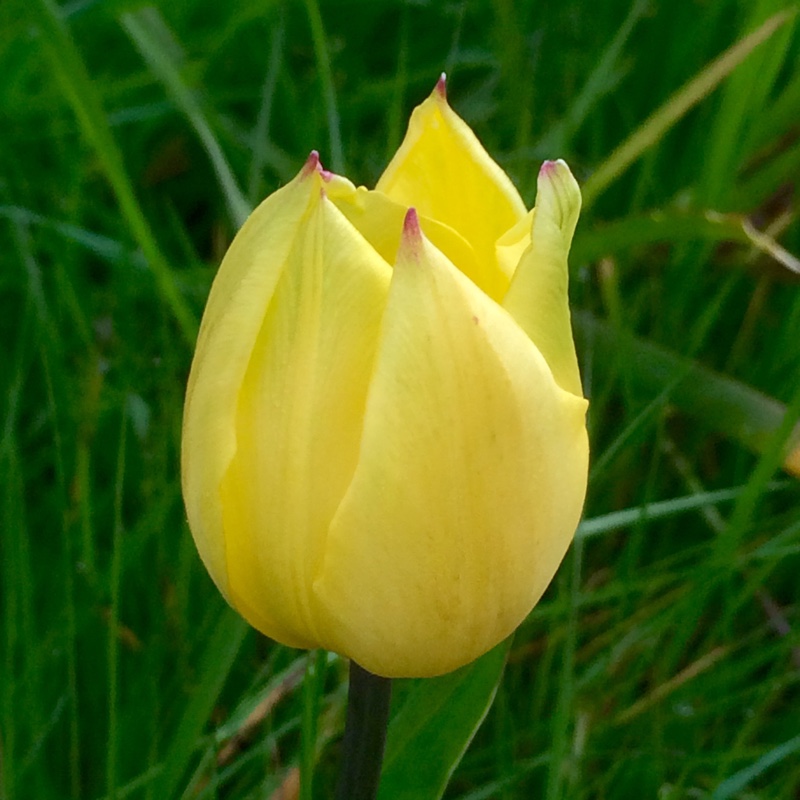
469,486
443,170
294,415
235,310
538,296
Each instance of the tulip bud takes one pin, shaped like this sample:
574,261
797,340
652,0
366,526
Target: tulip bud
384,441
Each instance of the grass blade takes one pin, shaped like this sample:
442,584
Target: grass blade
603,79
218,657
313,689
68,68
328,89
656,125
722,404
663,509
644,229
147,30
433,728
113,621
739,781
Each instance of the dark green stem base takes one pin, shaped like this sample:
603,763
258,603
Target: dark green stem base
364,735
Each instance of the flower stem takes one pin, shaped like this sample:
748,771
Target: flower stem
364,734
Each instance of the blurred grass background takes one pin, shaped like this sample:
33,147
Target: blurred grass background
664,660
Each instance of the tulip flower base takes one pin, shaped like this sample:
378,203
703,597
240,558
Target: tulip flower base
364,734
384,426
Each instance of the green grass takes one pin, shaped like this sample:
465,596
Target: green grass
664,661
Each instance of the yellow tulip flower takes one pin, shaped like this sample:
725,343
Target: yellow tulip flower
384,439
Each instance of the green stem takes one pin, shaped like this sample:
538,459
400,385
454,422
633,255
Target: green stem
364,735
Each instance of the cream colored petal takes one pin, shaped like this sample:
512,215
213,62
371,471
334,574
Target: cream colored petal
538,297
238,300
469,486
445,173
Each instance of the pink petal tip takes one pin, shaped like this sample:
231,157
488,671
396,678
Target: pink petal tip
411,228
548,168
313,164
411,240
441,86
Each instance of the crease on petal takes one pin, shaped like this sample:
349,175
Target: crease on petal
241,292
443,171
299,419
538,297
469,485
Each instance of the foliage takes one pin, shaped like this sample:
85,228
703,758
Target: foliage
664,660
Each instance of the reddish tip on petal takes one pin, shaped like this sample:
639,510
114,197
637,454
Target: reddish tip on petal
411,228
548,168
411,240
313,165
441,86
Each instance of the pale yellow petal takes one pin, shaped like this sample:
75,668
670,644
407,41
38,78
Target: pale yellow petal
445,173
239,296
538,297
292,415
299,420
469,486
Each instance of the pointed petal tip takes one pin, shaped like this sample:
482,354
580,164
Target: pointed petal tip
548,168
411,240
411,224
411,229
313,164
441,86
552,166
558,194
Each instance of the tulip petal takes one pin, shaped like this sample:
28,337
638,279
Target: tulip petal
512,244
445,173
469,485
380,221
296,411
239,296
300,417
538,297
